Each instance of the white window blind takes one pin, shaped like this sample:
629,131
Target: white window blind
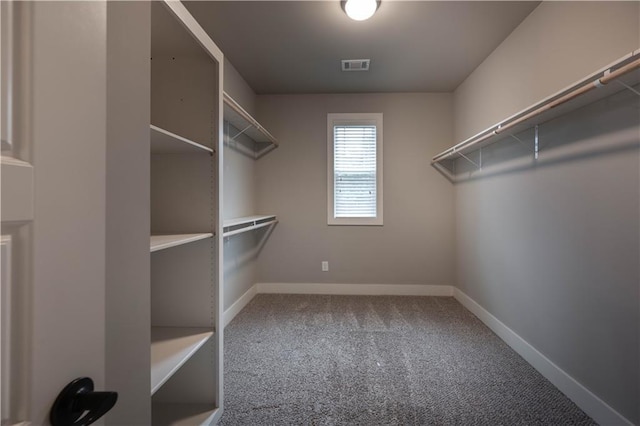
354,169
354,166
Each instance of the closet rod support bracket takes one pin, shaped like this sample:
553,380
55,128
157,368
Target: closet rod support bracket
536,144
233,139
479,166
522,142
625,85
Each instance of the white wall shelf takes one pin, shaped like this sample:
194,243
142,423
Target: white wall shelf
622,74
235,115
249,223
185,414
161,242
165,142
171,347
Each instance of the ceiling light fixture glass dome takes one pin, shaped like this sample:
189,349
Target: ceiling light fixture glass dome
360,10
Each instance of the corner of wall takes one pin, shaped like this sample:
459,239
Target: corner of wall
238,88
240,196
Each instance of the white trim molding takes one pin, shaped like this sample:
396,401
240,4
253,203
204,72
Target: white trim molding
599,410
239,305
335,289
357,289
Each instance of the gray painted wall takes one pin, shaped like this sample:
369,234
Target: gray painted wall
239,199
552,249
558,43
238,88
415,245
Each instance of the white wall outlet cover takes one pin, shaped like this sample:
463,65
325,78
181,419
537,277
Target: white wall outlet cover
325,266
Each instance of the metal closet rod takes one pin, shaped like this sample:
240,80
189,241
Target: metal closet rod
598,82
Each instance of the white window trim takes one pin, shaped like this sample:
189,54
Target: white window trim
362,119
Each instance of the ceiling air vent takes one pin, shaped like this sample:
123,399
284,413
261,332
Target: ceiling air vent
355,64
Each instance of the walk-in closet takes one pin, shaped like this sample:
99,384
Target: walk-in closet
320,212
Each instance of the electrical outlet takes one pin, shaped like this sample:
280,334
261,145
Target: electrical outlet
325,266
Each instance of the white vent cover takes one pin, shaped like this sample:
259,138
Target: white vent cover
355,64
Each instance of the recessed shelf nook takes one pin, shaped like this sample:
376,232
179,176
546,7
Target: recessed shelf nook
171,347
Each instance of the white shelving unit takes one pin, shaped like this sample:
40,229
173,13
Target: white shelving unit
243,132
161,242
622,74
248,223
186,301
171,347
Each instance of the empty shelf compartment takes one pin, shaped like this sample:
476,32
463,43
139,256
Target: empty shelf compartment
171,347
184,414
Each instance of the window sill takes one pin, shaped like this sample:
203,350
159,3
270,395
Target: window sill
355,222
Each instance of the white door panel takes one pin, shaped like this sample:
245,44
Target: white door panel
16,212
5,327
53,199
17,189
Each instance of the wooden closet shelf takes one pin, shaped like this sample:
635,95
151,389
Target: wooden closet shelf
161,242
171,347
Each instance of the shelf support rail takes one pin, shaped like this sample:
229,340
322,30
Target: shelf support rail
607,77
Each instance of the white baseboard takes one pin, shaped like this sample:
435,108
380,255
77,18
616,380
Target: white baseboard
356,289
599,410
337,289
238,305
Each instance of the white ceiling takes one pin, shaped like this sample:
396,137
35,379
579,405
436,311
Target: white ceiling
414,46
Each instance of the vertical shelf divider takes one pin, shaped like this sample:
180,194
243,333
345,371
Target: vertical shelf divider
186,292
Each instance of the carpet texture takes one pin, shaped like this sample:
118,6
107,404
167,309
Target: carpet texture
369,360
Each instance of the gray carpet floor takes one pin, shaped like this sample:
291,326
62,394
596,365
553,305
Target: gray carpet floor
364,360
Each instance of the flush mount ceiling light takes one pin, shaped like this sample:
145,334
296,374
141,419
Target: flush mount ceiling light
360,10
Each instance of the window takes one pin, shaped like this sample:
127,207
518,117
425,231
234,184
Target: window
354,169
